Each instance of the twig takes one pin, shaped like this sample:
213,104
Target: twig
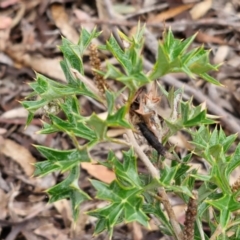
174,25
217,232
161,191
154,172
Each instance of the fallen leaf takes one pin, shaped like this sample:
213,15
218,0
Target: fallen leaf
19,154
200,9
46,66
83,17
50,232
206,38
170,13
137,231
3,204
3,131
99,172
7,3
5,22
61,20
15,113
64,209
105,13
26,208
221,54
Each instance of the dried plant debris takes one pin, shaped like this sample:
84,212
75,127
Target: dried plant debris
30,32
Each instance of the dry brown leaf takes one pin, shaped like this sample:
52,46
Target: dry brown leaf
15,113
63,207
179,211
115,132
29,235
61,20
5,22
234,62
180,140
99,172
46,66
19,154
206,38
3,204
83,16
200,9
221,54
7,3
50,232
172,12
26,208
104,12
137,231
3,131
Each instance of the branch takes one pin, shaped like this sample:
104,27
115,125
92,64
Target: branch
161,191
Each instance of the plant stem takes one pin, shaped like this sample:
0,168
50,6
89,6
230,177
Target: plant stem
161,191
90,85
154,172
217,232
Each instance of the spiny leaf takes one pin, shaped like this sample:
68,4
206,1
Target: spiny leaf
69,188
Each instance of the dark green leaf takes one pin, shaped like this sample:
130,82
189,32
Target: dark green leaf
69,188
225,204
234,161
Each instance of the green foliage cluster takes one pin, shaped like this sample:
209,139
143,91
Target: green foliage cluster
133,196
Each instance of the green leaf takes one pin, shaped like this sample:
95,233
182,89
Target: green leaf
126,172
219,176
127,201
33,106
71,109
71,79
79,129
124,194
168,174
225,204
155,209
197,120
172,57
69,188
86,38
179,189
161,67
210,79
227,141
234,161
98,125
45,167
118,119
108,217
110,97
119,54
29,118
60,159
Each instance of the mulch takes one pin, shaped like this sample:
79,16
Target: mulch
30,33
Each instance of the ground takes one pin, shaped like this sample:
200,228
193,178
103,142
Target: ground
30,33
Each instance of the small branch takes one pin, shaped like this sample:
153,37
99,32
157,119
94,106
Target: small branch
177,25
154,172
217,232
161,191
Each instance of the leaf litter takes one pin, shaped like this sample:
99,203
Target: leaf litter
30,33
